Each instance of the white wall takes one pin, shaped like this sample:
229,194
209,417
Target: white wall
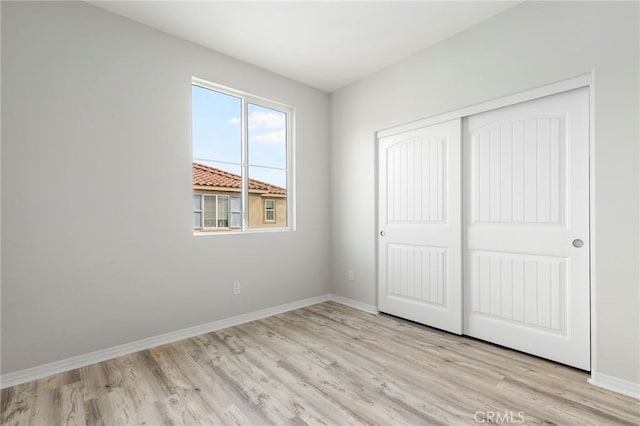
97,245
533,44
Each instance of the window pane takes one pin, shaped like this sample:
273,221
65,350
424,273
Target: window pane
267,184
267,137
197,220
217,129
209,211
270,210
223,212
273,177
217,153
235,207
236,204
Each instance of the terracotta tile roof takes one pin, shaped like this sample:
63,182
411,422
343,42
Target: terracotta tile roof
210,176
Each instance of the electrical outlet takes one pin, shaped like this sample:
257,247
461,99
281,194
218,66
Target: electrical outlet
350,275
236,288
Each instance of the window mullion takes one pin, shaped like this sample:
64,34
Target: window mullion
215,203
245,164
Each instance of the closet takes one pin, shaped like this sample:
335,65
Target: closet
483,225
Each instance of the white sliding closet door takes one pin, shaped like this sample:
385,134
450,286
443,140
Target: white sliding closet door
526,219
419,241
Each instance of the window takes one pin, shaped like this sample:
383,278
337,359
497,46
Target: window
216,211
269,210
242,160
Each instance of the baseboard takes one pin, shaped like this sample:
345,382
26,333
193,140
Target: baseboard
354,304
615,384
46,370
23,376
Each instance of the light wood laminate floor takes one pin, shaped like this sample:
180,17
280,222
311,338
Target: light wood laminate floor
327,364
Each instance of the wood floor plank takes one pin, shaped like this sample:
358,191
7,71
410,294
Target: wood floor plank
327,364
441,393
264,369
310,404
70,406
18,404
601,416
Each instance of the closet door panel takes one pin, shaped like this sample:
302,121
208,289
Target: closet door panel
419,240
526,216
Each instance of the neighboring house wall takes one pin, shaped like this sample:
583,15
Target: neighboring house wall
256,210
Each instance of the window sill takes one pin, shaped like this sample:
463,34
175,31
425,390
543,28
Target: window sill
240,232
216,230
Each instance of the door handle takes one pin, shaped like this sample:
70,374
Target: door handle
577,243
382,234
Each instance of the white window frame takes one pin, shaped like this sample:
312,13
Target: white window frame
267,210
289,111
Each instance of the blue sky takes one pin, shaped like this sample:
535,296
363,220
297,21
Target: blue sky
217,136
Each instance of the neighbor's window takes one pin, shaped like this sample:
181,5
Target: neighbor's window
270,210
241,161
216,211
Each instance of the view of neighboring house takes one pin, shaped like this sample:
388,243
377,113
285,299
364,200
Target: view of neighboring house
217,201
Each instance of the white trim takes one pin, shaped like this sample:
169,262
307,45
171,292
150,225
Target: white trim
269,103
592,223
244,159
539,92
45,370
29,374
239,232
615,384
354,304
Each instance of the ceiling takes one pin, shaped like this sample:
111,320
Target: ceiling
326,45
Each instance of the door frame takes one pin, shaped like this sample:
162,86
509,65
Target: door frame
584,80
